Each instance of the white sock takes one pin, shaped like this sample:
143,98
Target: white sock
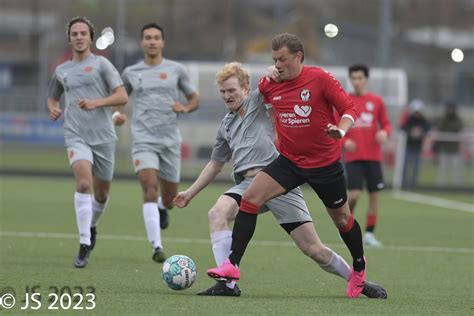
83,206
151,217
97,211
160,203
221,242
338,266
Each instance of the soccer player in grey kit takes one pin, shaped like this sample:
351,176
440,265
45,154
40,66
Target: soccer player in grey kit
91,86
153,85
246,135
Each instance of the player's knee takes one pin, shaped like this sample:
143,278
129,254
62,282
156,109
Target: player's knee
83,186
217,217
150,193
101,196
252,197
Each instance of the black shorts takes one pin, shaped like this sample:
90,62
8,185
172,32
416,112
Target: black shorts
370,172
328,182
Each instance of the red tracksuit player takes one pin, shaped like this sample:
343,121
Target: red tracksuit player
362,149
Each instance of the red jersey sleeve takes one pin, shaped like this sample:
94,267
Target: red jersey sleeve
383,119
337,97
262,87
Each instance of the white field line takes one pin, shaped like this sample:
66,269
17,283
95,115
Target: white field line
433,201
259,243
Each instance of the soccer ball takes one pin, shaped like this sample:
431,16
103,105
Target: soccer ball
179,272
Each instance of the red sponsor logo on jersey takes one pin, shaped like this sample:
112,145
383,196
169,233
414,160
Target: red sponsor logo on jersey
137,162
88,69
71,154
163,76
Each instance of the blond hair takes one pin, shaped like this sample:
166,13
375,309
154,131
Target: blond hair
234,69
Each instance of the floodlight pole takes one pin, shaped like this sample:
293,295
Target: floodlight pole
384,38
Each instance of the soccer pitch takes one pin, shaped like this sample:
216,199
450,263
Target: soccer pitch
426,265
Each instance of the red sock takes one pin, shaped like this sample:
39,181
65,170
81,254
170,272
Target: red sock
248,207
348,227
371,222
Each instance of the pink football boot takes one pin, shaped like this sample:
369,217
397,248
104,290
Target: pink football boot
225,271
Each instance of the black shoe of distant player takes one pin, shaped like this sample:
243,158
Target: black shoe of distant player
220,289
158,255
82,256
93,237
164,218
372,290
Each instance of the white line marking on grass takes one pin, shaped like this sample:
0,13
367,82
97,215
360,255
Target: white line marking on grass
433,201
260,243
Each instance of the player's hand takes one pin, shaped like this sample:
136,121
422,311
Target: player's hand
334,132
182,199
349,145
55,113
179,108
119,118
88,105
272,74
381,136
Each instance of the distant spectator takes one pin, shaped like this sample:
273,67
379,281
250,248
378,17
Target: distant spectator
416,127
448,152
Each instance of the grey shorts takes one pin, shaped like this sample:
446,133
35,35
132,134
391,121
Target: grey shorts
166,159
288,208
102,157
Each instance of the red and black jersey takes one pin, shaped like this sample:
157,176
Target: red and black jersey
372,118
303,107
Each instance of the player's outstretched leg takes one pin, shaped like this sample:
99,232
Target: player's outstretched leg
221,289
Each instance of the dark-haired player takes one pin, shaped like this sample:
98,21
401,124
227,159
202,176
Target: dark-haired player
362,148
310,152
154,85
91,86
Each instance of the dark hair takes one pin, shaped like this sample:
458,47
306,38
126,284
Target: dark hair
359,67
153,26
291,41
79,19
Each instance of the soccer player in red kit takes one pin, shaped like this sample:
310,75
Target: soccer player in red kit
362,148
310,152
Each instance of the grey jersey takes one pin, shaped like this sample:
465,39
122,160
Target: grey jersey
246,136
92,78
153,91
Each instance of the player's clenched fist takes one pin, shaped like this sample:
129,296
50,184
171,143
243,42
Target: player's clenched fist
182,199
55,113
119,118
334,132
87,104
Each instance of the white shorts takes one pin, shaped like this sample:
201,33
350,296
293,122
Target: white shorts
102,158
165,159
287,208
